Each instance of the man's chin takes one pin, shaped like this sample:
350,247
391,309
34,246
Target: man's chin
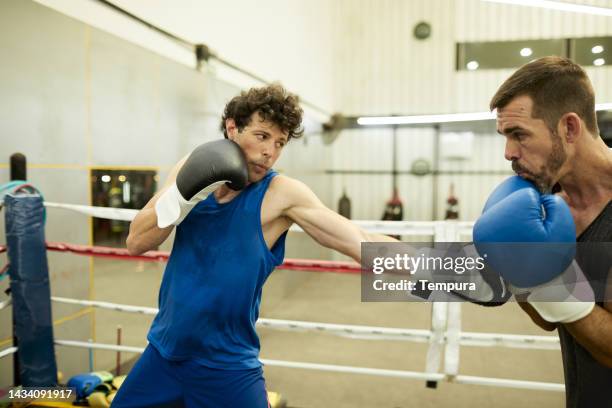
540,184
543,186
525,176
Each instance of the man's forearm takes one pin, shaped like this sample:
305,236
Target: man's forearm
145,235
535,317
380,238
594,332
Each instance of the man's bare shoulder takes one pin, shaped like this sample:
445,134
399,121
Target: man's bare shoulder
290,192
286,185
279,191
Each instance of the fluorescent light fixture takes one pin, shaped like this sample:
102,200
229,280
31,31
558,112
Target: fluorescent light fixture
472,65
599,61
424,119
525,52
557,5
603,106
441,118
598,49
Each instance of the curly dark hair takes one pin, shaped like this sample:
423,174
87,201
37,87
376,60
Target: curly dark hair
273,103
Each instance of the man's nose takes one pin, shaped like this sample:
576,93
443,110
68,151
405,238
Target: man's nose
268,149
511,152
265,151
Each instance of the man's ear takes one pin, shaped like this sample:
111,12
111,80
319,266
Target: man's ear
230,128
572,127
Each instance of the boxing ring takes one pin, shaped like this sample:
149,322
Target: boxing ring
444,338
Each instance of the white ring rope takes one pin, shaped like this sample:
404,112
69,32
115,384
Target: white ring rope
8,351
507,383
107,305
414,375
363,332
380,227
99,346
5,303
120,214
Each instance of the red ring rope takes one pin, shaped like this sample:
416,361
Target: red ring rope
157,256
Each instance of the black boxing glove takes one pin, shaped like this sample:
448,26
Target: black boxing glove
207,168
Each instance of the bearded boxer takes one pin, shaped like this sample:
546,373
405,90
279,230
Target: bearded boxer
546,112
231,213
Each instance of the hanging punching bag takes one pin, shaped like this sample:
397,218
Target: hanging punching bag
452,205
394,209
344,205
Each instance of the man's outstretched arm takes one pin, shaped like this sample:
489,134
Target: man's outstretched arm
325,226
333,231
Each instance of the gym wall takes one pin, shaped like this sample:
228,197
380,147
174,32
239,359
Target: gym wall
382,69
74,98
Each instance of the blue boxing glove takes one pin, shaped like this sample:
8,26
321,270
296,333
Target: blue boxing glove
509,186
84,384
529,239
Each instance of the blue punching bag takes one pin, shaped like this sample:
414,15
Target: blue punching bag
30,292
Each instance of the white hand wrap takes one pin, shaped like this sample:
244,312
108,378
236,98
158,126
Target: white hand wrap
565,299
171,208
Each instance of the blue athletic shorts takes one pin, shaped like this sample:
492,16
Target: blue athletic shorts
157,382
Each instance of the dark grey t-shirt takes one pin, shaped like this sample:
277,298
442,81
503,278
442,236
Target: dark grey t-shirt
588,384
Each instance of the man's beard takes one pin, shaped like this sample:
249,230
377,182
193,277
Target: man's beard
543,180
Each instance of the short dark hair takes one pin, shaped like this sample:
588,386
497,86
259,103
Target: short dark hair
557,86
273,103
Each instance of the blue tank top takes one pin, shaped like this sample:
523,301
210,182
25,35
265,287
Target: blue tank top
211,290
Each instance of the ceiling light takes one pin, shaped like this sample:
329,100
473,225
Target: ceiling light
598,49
599,61
472,65
557,5
603,106
525,52
440,118
106,178
425,119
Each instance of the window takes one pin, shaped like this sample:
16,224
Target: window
590,51
505,54
119,188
